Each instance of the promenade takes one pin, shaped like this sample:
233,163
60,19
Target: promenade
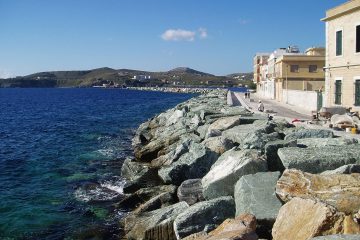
273,107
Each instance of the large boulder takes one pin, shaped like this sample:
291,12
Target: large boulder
218,144
193,164
141,196
204,216
255,194
341,191
139,175
346,169
302,219
241,228
322,142
316,160
173,155
150,151
156,224
310,133
228,169
223,124
238,134
271,148
190,191
258,140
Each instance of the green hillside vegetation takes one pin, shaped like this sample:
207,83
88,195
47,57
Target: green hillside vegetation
122,77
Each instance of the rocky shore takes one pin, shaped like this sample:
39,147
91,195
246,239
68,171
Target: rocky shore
206,170
175,89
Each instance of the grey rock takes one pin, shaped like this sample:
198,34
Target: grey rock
337,237
173,155
139,176
162,200
255,194
258,140
190,191
150,151
136,225
218,144
202,130
310,133
141,196
322,142
239,133
193,164
224,123
229,168
271,148
204,216
346,169
317,160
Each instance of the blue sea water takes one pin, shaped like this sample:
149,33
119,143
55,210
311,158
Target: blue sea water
60,156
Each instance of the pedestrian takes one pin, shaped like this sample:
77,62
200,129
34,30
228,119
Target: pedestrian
246,95
261,106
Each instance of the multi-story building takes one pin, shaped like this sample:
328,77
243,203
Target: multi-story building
342,70
260,60
299,71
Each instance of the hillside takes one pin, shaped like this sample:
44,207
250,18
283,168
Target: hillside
181,76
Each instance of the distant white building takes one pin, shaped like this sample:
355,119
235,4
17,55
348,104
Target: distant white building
266,87
141,77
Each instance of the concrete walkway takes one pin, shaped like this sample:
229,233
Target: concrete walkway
273,107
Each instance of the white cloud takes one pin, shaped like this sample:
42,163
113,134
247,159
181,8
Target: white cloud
203,33
178,35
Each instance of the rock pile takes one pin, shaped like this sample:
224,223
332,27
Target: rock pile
206,170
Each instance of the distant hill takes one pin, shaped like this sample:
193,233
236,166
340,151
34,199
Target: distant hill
182,76
186,70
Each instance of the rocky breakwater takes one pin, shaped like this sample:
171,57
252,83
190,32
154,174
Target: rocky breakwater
175,89
206,170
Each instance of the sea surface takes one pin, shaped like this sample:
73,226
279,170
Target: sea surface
61,152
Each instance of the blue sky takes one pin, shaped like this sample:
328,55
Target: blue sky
219,37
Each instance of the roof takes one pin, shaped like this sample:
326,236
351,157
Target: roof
301,58
341,10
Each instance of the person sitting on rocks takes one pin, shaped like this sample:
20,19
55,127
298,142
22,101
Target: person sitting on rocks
261,106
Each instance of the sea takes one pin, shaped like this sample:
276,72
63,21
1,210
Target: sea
61,152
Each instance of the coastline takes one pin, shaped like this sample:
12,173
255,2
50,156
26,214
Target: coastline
200,90
203,162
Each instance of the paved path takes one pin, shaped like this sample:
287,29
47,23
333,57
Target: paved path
275,108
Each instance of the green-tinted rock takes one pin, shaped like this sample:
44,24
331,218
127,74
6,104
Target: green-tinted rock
271,148
193,164
255,194
204,216
310,133
317,160
228,169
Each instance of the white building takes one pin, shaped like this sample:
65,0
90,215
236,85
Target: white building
142,77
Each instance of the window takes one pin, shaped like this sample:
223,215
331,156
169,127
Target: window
312,68
294,68
357,38
357,93
338,43
338,92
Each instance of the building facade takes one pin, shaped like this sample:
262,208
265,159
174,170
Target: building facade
288,69
342,70
299,72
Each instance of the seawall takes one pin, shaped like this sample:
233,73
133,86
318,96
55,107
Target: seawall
203,162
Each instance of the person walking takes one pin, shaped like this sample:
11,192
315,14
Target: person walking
261,106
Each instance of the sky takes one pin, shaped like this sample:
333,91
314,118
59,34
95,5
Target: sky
214,36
